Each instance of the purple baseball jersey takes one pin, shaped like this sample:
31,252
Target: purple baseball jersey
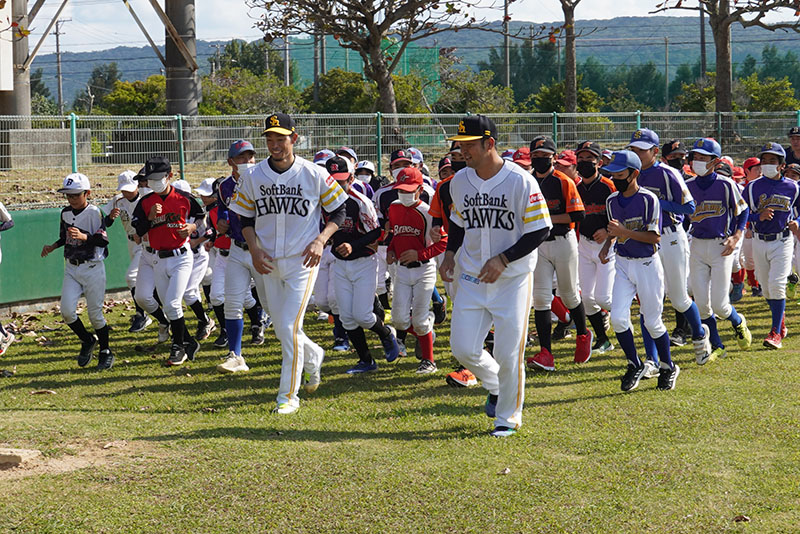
226,189
781,195
718,204
640,212
666,183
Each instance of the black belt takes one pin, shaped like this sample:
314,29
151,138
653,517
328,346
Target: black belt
773,237
241,244
172,252
76,262
552,236
196,250
150,250
670,227
224,252
415,264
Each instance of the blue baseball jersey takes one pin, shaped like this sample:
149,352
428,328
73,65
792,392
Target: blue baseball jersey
782,195
225,193
718,206
640,212
667,184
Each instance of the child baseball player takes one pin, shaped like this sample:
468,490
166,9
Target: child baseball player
774,203
633,228
412,249
717,227
83,235
6,223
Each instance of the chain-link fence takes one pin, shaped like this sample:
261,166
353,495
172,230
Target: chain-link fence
37,152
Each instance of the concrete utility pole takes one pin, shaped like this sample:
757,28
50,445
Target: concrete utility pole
286,67
702,44
316,67
323,52
506,45
183,82
666,73
18,101
58,33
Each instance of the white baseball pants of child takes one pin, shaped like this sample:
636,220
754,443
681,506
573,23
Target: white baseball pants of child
596,278
354,282
559,256
709,277
172,278
644,276
87,279
238,271
146,281
413,288
199,267
773,263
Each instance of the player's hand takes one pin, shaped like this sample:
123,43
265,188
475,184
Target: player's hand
313,253
408,256
208,245
390,257
793,226
345,249
155,211
603,255
223,226
600,235
447,267
748,234
492,270
436,234
76,234
137,239
261,260
766,215
114,214
47,249
729,243
615,229
186,230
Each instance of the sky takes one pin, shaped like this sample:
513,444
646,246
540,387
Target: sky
102,24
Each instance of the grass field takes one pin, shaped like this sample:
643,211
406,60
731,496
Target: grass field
143,448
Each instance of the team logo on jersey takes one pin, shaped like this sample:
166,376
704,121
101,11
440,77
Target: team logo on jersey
172,220
405,229
486,211
595,209
707,209
536,197
776,202
281,198
655,190
634,223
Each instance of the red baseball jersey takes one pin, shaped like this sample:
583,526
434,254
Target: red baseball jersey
177,207
222,241
409,228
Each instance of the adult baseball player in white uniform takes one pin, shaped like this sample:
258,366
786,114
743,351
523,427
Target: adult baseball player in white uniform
499,217
280,202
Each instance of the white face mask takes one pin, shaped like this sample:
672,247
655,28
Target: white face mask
407,199
770,171
395,172
158,186
700,168
363,178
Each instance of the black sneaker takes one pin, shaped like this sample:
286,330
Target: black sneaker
257,334
191,347
440,311
204,329
105,360
177,355
139,323
87,348
632,377
222,340
667,378
677,338
561,331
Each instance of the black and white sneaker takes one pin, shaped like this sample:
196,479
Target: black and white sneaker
177,355
632,377
204,329
139,323
440,311
668,377
191,347
677,338
222,341
426,367
257,334
105,360
561,331
87,350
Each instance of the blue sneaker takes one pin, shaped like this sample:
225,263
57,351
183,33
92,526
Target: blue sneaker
502,432
340,344
363,367
491,405
736,293
390,348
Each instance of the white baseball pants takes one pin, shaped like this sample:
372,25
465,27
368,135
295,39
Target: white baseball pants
773,263
218,269
172,278
674,254
239,273
354,282
212,260
596,278
747,251
146,282
645,277
559,256
506,304
382,269
135,253
87,279
412,298
709,277
324,292
199,267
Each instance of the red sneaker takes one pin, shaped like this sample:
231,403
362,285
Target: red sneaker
583,347
462,378
542,360
773,340
784,330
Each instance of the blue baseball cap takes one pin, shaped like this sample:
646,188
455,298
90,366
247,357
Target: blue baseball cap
707,146
773,148
621,160
240,146
644,138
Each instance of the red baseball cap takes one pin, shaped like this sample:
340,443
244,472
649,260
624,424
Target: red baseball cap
523,156
567,158
408,179
750,162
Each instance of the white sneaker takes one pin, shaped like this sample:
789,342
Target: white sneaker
233,364
702,347
163,333
312,381
285,408
651,370
5,342
322,316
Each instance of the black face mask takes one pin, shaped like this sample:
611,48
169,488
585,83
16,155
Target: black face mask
676,163
621,185
541,165
586,169
458,165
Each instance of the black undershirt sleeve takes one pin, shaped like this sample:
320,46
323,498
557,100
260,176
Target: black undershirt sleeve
247,222
337,216
455,237
577,216
437,221
526,244
366,239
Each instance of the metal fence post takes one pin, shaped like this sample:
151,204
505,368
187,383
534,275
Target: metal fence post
798,117
638,120
73,141
555,127
719,125
181,160
378,141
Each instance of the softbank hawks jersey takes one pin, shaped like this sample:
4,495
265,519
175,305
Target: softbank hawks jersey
495,214
286,206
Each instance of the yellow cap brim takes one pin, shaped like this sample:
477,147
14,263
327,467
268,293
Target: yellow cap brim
465,138
278,130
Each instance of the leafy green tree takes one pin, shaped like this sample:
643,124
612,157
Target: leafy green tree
101,82
551,98
41,105
37,85
236,91
467,90
341,91
531,67
697,96
620,99
410,92
146,97
769,94
252,57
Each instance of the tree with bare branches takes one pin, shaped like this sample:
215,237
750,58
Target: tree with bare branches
722,14
570,76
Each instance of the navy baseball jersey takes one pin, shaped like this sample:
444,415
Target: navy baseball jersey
594,196
781,195
225,193
640,212
718,205
88,220
667,184
790,157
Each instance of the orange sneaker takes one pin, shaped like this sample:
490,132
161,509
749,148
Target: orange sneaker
542,360
784,330
773,340
462,378
583,347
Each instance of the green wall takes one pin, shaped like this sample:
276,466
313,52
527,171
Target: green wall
25,275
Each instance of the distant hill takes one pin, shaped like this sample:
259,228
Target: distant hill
639,39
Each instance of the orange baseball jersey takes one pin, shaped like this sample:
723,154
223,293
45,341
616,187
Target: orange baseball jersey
562,197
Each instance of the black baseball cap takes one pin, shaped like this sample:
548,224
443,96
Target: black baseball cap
280,123
156,168
445,162
725,170
141,176
543,143
339,168
475,128
400,155
673,146
794,130
589,146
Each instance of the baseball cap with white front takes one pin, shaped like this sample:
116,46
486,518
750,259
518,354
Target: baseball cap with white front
416,155
75,183
206,187
366,165
644,139
182,185
126,181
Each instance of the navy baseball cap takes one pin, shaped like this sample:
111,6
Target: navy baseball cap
644,138
239,147
707,146
621,160
773,148
589,146
444,163
280,123
725,170
156,168
673,146
543,143
400,155
794,130
475,128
